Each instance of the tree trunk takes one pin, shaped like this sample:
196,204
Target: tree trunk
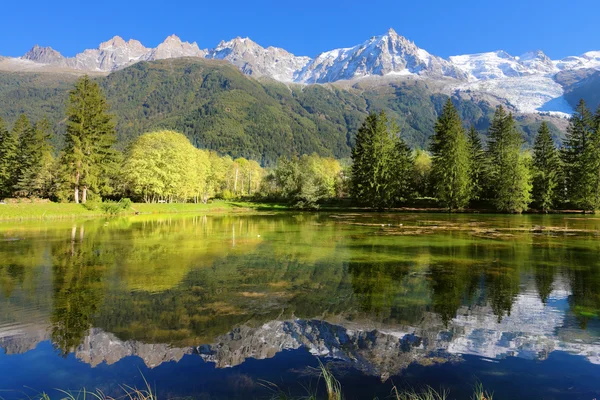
235,182
76,194
84,195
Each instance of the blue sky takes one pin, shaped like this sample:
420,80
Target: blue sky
308,27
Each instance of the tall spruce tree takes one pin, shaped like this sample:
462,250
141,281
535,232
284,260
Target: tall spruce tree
592,159
89,156
382,163
25,134
576,154
509,171
451,163
35,178
8,160
478,162
546,169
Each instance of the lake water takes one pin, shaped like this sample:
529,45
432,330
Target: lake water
233,306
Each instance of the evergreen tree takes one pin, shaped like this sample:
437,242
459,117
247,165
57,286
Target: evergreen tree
576,157
89,158
478,164
509,169
592,159
8,160
546,166
451,163
36,155
25,134
382,163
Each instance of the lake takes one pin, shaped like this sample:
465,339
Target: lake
240,306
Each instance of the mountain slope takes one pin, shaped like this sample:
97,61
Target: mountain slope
220,108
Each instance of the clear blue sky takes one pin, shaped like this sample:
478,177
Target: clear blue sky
308,27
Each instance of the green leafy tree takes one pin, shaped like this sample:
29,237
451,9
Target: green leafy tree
478,161
576,158
8,160
160,167
509,170
89,157
422,173
546,167
37,161
451,162
592,159
382,163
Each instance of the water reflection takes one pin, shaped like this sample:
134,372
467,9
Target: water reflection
378,296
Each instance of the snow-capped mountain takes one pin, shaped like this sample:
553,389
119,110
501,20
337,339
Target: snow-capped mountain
253,59
500,64
528,82
380,55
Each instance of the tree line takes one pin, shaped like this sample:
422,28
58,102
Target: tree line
457,170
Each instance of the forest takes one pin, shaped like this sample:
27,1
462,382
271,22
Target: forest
458,170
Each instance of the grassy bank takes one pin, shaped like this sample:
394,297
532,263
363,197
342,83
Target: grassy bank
32,211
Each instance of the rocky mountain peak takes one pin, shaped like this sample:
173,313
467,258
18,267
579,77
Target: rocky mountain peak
116,41
45,55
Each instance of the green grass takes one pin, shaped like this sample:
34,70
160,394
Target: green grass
32,211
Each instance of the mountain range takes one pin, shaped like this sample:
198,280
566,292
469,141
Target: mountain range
530,83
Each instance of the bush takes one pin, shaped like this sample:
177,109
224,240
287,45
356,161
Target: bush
115,208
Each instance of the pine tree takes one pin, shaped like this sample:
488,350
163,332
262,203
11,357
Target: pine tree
509,170
382,163
546,168
575,156
451,163
478,162
25,134
592,159
8,160
89,157
36,173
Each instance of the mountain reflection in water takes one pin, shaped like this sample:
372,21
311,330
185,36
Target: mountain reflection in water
358,289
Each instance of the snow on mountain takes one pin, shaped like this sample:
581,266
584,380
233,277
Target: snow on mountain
590,60
255,60
500,64
380,55
527,82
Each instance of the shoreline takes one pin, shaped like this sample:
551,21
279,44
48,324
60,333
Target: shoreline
30,211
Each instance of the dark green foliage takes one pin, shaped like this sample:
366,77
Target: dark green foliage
479,165
382,163
577,154
8,160
509,170
546,172
36,161
219,108
89,158
451,161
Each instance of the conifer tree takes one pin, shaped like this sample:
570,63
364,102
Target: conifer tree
509,172
37,157
576,157
478,163
382,163
451,163
8,160
546,166
592,159
24,133
89,157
